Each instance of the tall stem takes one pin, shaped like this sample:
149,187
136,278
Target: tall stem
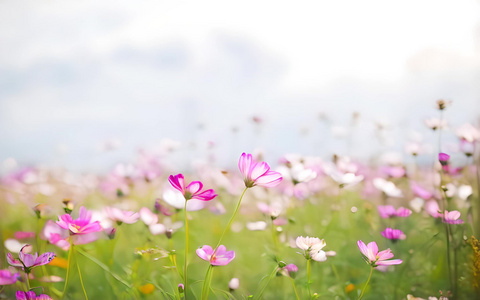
231,218
294,287
265,283
309,273
366,284
186,251
207,282
81,280
70,250
27,280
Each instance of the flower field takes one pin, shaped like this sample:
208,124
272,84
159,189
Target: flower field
302,227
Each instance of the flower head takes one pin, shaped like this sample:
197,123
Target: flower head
312,247
21,295
452,217
219,257
374,258
257,173
393,234
82,225
29,261
443,158
388,211
193,190
6,277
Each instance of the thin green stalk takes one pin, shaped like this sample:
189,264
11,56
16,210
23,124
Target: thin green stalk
275,237
81,280
70,261
264,285
366,284
294,288
207,282
231,218
309,273
186,251
27,281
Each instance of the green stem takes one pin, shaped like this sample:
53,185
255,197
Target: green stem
275,237
309,273
264,285
294,288
231,218
81,280
70,262
27,280
207,282
186,250
366,284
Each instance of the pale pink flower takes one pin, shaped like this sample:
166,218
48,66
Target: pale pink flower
257,173
432,208
420,191
28,261
20,235
6,277
121,216
312,247
452,217
219,257
393,234
80,226
388,211
374,258
234,283
191,191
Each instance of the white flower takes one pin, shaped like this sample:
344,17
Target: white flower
234,283
387,187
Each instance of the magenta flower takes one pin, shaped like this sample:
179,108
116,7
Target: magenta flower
388,211
6,277
257,173
443,158
193,190
82,225
393,234
219,257
21,295
374,258
452,217
28,261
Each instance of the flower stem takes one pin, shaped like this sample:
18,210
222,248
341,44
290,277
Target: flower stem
70,262
231,218
265,283
294,287
81,280
207,282
186,251
366,284
309,273
27,280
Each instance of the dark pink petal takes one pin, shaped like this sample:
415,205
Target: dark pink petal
6,277
43,297
194,187
20,295
386,211
403,212
205,195
443,157
44,259
178,182
64,221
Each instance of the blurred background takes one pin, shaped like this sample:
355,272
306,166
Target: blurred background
87,84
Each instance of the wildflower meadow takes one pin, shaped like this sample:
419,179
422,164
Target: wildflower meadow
297,227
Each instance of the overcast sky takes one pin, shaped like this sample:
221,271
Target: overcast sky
76,73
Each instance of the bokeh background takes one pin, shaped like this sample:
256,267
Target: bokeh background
87,84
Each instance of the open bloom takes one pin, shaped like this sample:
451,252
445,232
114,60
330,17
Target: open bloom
312,247
28,261
393,234
219,257
82,225
388,211
193,190
452,217
374,258
21,295
6,277
257,173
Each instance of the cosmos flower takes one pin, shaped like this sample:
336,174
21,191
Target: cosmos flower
6,277
219,257
312,247
374,258
21,295
388,211
393,234
121,216
28,261
80,226
257,173
193,190
452,217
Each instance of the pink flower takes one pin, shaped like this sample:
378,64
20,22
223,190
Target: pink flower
452,217
82,225
28,261
21,295
257,173
193,190
420,191
219,257
6,277
121,216
20,235
312,247
374,258
443,158
393,234
388,211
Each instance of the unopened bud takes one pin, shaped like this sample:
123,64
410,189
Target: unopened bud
234,284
